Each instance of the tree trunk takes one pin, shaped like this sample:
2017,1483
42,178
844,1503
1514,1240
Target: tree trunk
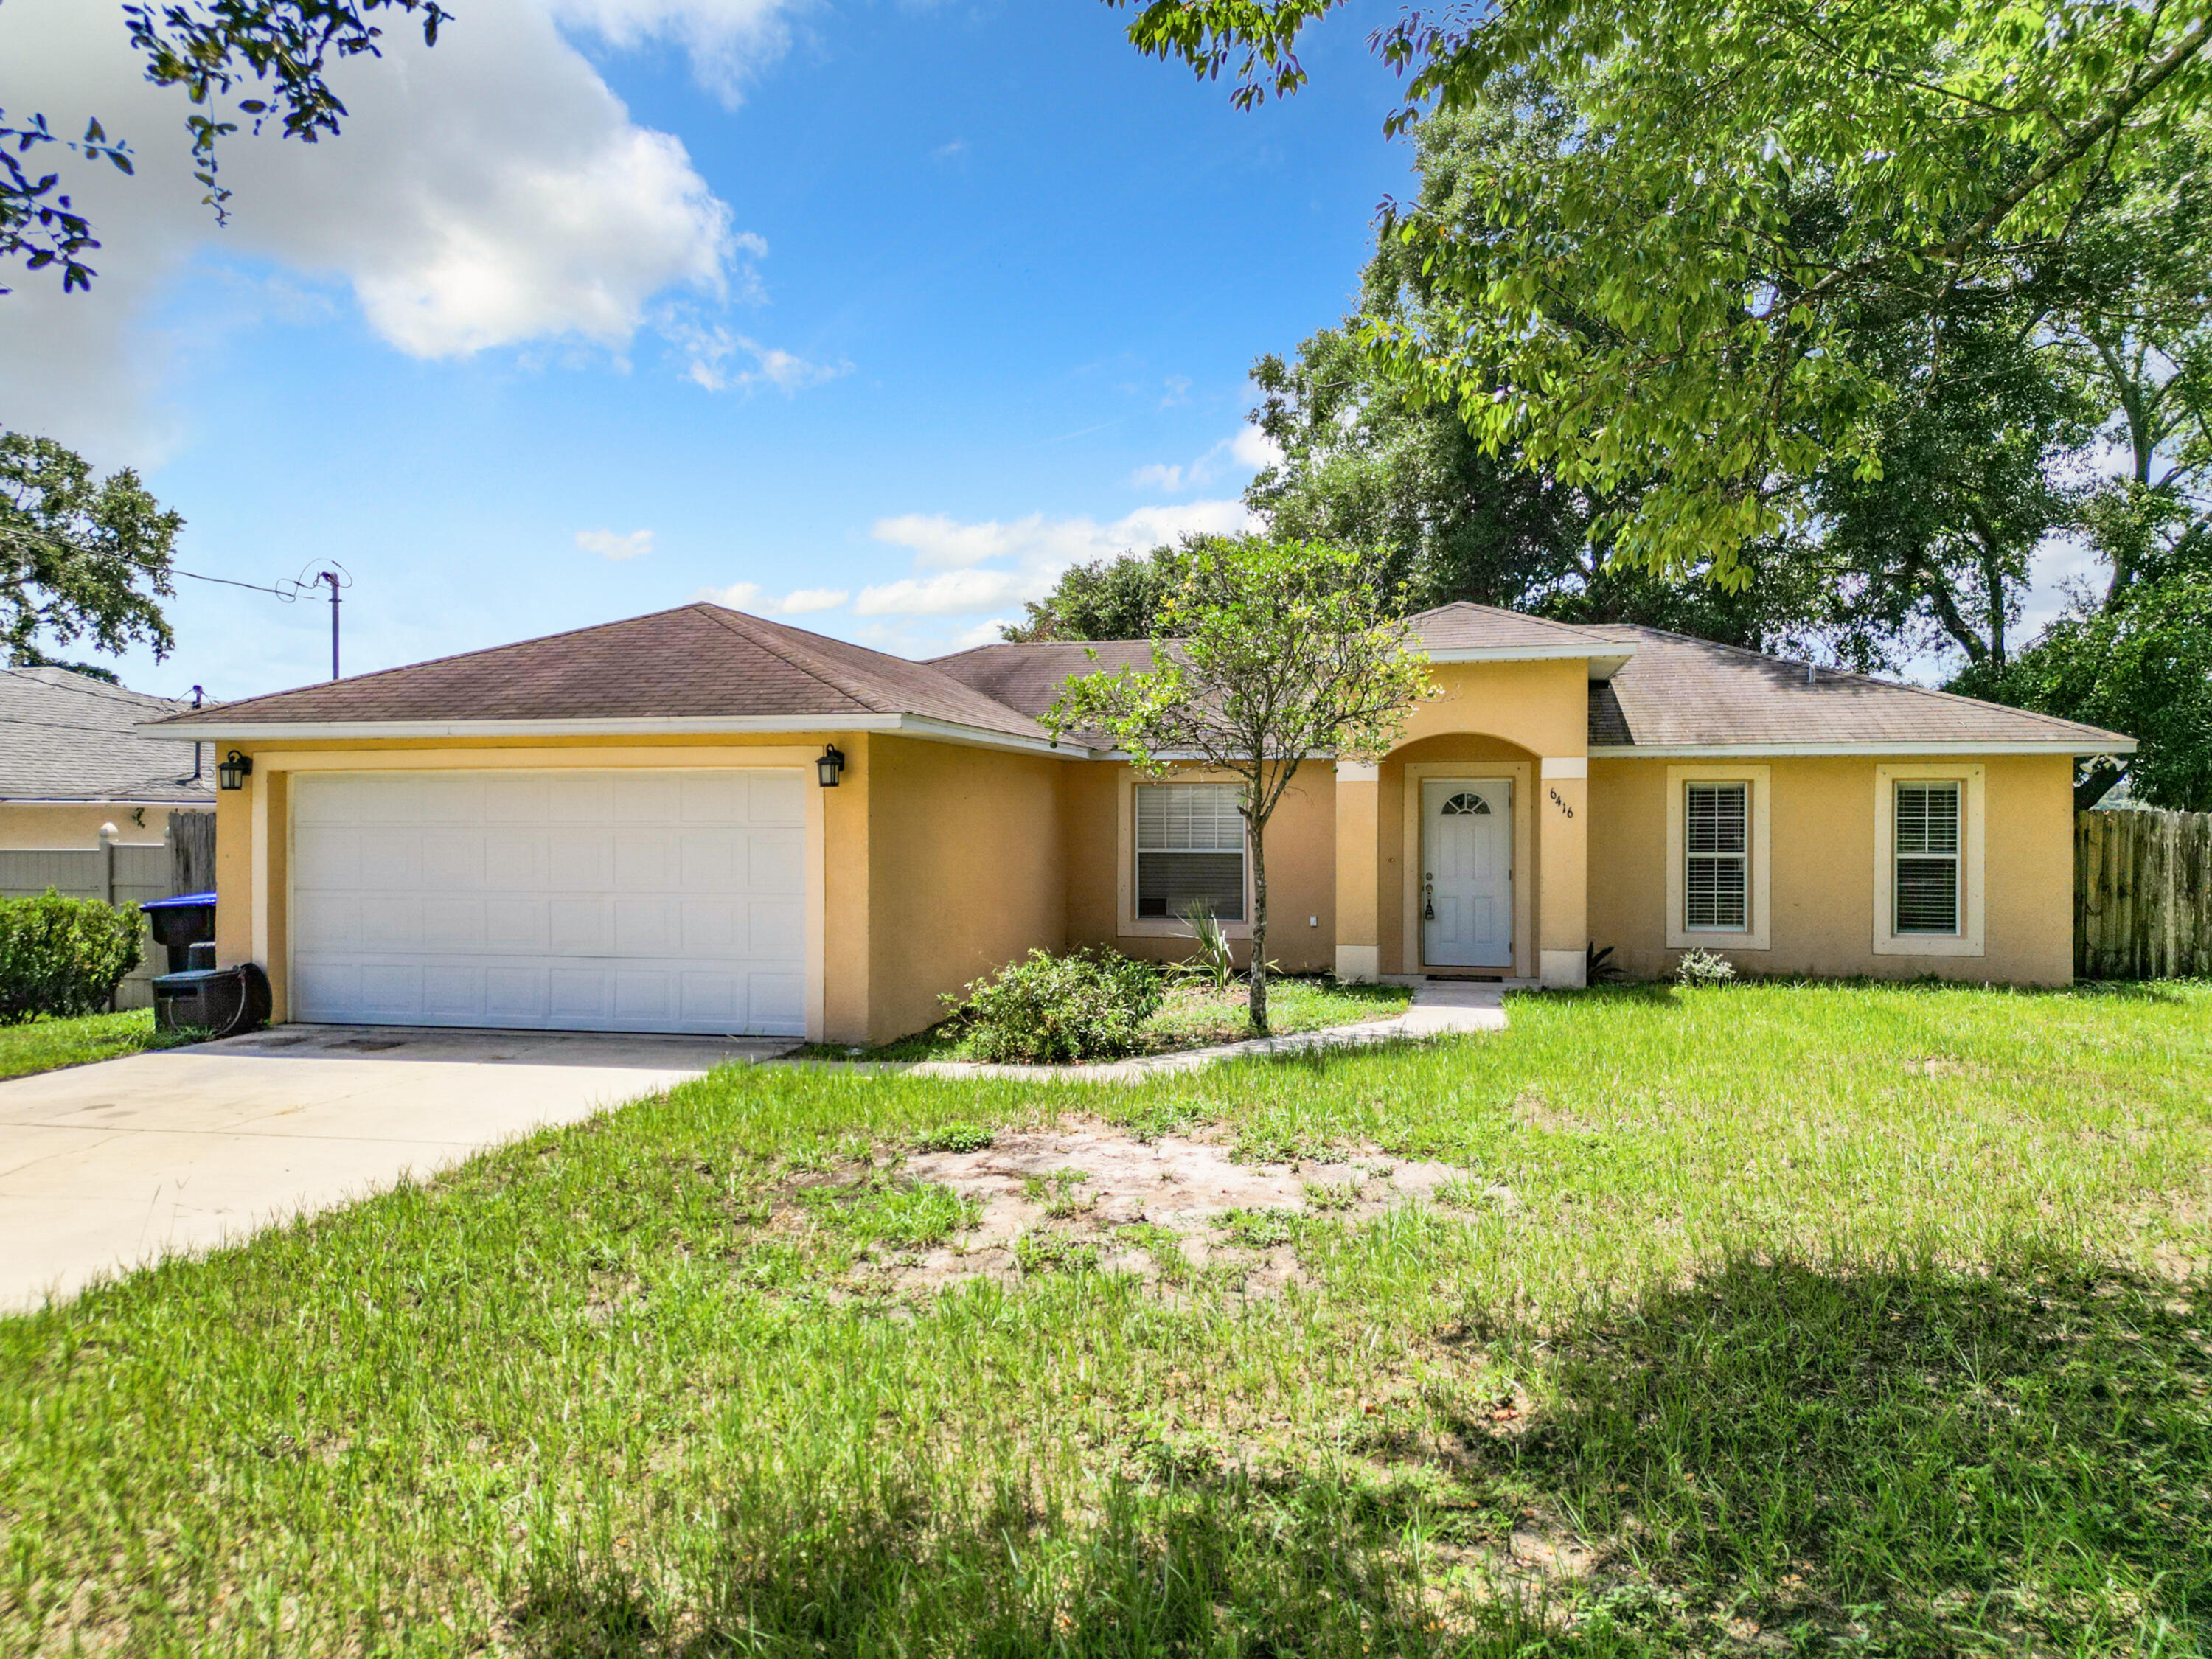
1259,930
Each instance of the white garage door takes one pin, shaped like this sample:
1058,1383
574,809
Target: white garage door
567,901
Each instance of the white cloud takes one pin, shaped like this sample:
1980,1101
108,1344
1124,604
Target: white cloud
721,360
1249,450
951,150
726,41
748,596
1034,550
1178,391
802,600
616,545
1254,448
485,193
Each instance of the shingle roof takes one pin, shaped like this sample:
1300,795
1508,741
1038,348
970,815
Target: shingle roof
1463,625
1029,678
696,662
1680,692
69,737
702,662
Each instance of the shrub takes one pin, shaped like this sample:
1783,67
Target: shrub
1704,967
1084,1005
64,956
1213,962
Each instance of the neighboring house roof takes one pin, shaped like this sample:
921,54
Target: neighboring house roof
1677,693
67,737
698,663
701,666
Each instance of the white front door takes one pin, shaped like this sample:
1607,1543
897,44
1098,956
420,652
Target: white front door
595,901
1466,893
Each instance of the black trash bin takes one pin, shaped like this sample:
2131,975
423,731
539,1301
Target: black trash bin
179,923
224,1001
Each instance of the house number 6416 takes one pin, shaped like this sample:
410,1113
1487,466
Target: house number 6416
1561,804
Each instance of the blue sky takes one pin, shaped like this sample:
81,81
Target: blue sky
873,315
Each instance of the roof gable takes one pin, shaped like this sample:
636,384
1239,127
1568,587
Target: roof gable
697,662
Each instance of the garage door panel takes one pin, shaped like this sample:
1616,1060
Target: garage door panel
453,859
625,901
517,924
579,925
389,922
713,927
775,862
777,927
581,994
517,798
452,798
326,858
778,1004
648,927
391,857
581,861
453,926
655,798
452,995
714,999
516,996
713,798
645,861
581,798
777,798
516,860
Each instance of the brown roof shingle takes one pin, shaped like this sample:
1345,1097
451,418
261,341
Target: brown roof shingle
1679,692
696,662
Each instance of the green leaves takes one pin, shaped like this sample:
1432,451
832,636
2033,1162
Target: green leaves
208,47
79,557
1678,286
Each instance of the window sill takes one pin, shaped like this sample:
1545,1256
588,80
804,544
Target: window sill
1171,929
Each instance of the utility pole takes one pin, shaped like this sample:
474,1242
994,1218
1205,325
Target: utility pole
331,577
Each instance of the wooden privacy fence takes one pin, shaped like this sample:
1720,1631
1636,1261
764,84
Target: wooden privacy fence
127,872
2142,895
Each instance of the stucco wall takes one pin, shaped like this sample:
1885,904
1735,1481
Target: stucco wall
76,826
1823,877
1301,869
968,871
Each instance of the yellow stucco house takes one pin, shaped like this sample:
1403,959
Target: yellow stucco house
638,826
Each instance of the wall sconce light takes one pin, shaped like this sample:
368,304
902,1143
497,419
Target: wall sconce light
234,770
831,763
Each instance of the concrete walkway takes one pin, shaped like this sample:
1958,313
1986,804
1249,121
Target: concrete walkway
104,1167
1439,1008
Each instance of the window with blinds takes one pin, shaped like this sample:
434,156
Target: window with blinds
1716,862
1190,851
1927,851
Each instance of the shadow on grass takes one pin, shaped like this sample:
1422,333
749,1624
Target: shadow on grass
1771,1458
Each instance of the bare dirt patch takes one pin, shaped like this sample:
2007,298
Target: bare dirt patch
1091,1195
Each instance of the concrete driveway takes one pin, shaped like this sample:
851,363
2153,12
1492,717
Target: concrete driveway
105,1166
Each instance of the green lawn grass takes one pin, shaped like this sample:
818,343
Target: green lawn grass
46,1045
1820,1320
1193,1016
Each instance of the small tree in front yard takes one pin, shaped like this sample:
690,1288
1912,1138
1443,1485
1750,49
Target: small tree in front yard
1265,654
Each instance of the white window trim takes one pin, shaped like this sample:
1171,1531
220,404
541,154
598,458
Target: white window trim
1126,923
1758,782
1967,941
